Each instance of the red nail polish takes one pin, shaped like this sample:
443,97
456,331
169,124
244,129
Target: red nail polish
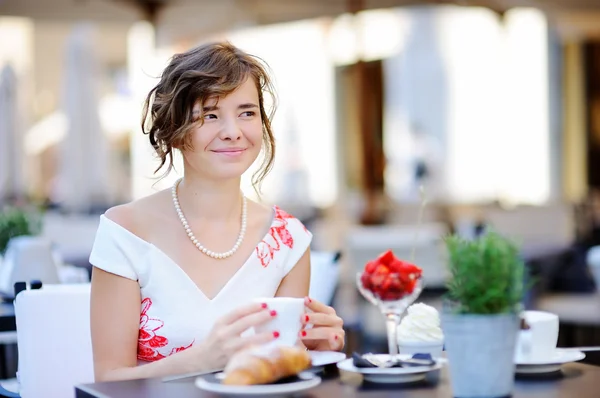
273,312
309,300
303,333
335,337
264,305
305,318
276,334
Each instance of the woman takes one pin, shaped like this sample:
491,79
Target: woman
196,255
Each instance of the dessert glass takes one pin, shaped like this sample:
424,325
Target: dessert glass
392,307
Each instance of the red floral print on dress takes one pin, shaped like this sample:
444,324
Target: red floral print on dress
278,235
178,349
148,341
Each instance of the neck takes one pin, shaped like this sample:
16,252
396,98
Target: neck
210,200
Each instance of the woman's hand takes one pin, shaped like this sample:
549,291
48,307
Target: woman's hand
224,339
327,333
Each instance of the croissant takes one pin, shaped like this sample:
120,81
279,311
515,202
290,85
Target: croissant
256,366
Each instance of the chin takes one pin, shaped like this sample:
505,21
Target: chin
229,172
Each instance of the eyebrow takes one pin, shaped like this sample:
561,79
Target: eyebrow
248,105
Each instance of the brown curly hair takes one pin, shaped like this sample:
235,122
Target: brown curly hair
208,71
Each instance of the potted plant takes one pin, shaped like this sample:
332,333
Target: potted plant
481,318
16,222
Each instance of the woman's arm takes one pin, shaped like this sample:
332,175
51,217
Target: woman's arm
296,283
115,318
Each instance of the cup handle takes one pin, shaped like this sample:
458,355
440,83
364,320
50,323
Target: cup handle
525,343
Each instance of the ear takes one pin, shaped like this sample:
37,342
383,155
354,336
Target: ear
179,144
176,144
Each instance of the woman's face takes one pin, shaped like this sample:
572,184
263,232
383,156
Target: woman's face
230,138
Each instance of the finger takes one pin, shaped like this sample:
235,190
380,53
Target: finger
317,306
323,333
320,319
255,339
335,339
248,321
337,342
242,312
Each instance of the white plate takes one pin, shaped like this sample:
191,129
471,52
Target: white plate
391,375
559,357
305,381
322,358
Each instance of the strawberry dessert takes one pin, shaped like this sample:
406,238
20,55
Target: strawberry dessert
389,278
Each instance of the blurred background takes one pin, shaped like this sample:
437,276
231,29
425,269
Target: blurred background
487,110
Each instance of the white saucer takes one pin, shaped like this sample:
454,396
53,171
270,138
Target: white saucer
391,375
559,357
305,381
322,358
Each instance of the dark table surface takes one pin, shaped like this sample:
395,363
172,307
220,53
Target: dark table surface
575,380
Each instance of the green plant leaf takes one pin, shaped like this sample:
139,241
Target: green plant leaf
487,275
17,222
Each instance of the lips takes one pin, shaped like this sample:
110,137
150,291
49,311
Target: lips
230,153
229,150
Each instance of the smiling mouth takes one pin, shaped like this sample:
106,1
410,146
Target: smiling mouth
230,152
236,150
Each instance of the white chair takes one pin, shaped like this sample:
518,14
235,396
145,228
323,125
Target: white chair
27,258
54,340
36,258
324,275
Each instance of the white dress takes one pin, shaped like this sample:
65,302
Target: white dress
175,313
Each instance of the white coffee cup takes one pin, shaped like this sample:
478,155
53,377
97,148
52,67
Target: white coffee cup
538,343
287,322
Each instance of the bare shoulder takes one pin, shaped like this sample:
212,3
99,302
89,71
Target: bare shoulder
259,215
136,215
122,215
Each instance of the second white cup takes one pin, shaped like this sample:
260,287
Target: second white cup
538,343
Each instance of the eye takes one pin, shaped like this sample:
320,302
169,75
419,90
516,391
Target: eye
248,114
210,116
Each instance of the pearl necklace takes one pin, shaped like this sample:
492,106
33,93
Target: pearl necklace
190,234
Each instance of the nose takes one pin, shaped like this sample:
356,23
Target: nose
230,130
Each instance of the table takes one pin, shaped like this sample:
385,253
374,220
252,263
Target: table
577,380
8,340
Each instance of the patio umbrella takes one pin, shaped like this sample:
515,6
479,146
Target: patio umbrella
10,140
83,182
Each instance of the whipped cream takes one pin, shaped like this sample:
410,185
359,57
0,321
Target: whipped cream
422,323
